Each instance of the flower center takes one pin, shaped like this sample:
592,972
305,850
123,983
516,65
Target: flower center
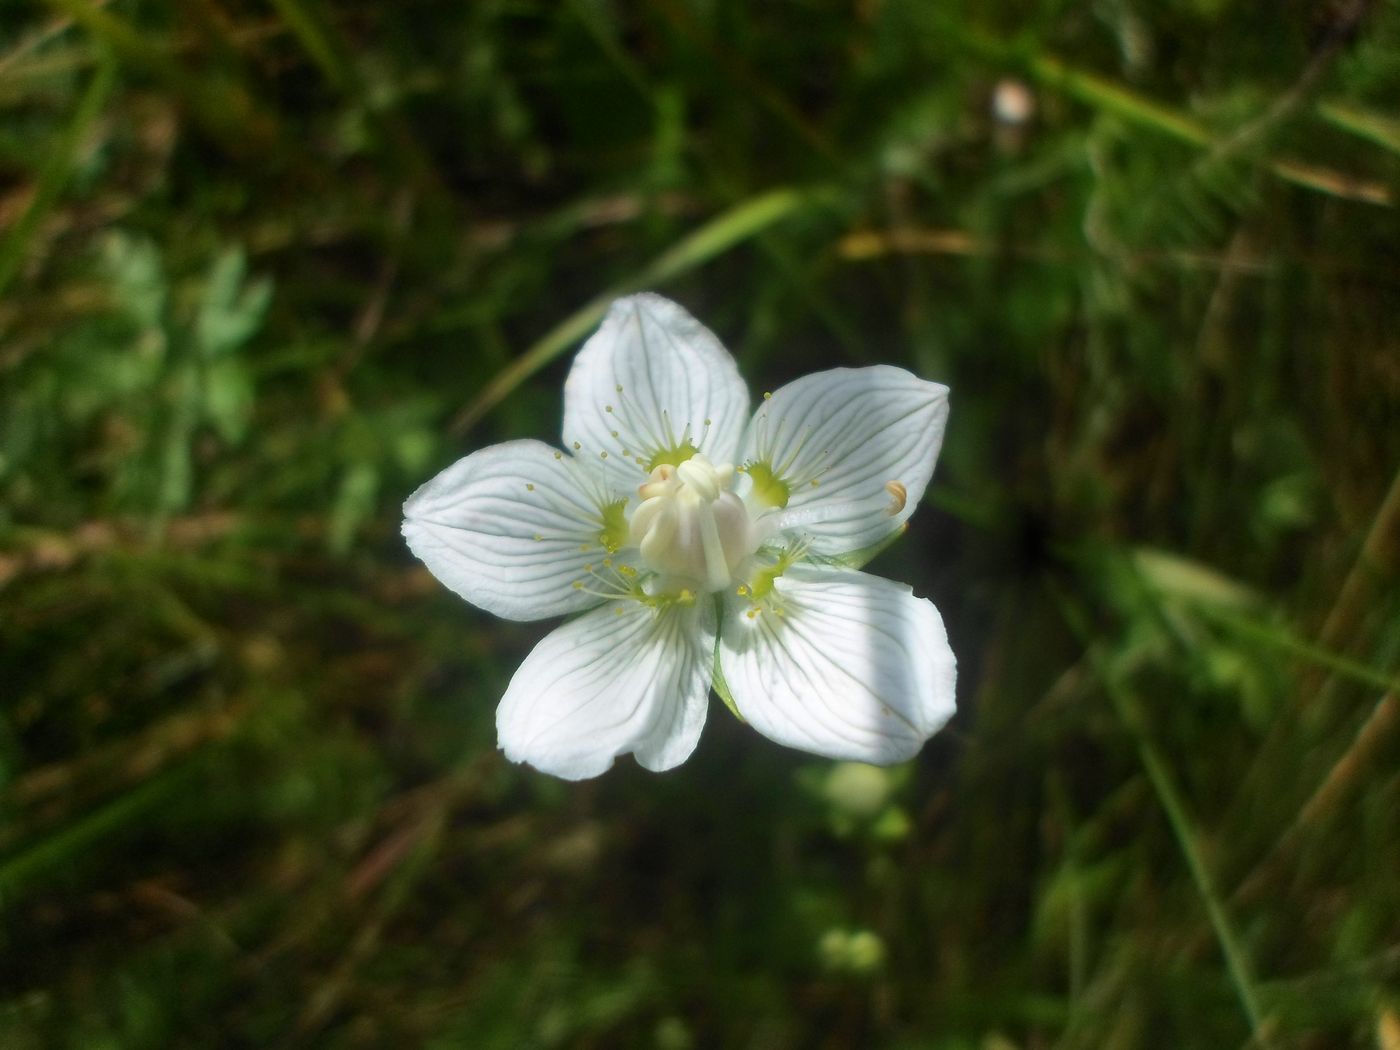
690,526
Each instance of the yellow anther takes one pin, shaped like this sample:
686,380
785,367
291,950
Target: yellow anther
752,613
602,455
899,496
577,446
815,483
617,611
558,455
529,487
578,585
768,395
743,589
619,388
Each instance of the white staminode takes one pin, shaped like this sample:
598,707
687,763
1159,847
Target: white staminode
706,544
691,526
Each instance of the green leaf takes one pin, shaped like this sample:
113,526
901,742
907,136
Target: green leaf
721,688
228,398
230,311
859,559
354,504
134,266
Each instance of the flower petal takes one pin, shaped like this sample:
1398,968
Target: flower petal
837,439
511,528
840,664
625,677
650,381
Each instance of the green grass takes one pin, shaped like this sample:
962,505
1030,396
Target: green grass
264,268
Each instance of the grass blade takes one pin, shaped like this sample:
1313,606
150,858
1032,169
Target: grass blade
1164,786
54,174
725,231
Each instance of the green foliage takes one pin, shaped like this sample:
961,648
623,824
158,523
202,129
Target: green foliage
264,269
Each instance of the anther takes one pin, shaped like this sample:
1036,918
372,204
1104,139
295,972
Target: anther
899,495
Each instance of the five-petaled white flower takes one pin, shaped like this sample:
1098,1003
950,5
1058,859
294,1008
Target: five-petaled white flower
706,548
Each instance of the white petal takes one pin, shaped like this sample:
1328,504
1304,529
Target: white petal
855,668
621,678
510,528
851,431
649,380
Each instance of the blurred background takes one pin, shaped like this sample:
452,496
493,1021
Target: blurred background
267,265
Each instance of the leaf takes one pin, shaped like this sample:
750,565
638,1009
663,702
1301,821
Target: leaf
228,398
721,688
858,559
1179,577
134,265
354,503
230,311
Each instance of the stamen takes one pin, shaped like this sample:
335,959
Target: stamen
690,525
899,497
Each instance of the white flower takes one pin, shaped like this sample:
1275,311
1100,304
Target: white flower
702,547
